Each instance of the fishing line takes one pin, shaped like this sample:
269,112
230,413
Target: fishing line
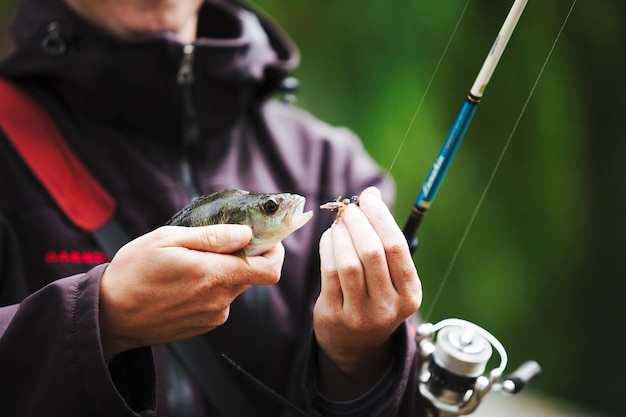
496,168
432,77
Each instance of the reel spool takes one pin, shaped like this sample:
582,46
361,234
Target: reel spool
454,356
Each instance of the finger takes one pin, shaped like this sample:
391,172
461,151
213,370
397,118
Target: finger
370,252
348,264
371,191
378,214
226,270
330,291
275,254
219,238
266,268
398,256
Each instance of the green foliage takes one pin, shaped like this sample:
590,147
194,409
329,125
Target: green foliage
7,10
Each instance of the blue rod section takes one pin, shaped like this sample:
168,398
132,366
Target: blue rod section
463,119
439,169
446,154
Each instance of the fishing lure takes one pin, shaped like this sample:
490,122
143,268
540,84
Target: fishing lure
340,205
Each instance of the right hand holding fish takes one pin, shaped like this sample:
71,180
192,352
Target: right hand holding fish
178,282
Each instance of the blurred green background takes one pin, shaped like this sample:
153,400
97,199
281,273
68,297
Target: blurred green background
543,265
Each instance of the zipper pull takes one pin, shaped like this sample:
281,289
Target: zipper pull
190,128
185,72
53,43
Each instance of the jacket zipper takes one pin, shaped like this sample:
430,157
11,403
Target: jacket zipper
190,129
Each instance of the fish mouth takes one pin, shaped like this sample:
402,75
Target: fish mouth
298,217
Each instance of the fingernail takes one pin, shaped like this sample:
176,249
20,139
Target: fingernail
372,191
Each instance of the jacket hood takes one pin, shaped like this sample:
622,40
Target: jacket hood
240,57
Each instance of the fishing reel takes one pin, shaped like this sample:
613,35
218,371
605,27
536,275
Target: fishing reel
454,355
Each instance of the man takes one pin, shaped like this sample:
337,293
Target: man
164,100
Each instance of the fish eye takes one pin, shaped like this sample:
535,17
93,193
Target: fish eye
270,206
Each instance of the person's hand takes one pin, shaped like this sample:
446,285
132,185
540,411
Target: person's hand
178,282
369,287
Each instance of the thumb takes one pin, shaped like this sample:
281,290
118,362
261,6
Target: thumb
219,238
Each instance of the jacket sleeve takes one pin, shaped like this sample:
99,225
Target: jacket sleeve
396,394
51,359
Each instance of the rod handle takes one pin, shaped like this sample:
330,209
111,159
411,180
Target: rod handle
411,226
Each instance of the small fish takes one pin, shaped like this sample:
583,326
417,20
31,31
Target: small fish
272,217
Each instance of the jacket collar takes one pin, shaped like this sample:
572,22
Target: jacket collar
239,58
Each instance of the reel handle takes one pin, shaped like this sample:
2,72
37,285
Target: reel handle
527,373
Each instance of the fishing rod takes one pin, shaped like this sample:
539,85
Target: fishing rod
454,353
459,127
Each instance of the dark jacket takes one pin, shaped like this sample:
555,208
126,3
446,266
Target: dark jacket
152,142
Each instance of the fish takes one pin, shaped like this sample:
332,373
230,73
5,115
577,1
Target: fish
272,217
